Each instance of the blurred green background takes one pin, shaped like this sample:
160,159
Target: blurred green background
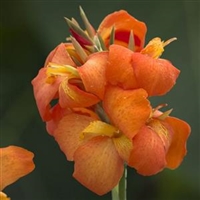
30,30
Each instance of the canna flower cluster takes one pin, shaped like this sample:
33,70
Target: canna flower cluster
93,94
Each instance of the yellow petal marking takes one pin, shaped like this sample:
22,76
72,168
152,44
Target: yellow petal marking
99,128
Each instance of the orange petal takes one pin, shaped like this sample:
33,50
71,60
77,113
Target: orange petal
60,55
15,162
70,95
119,70
177,150
68,132
127,109
163,130
98,165
92,73
123,24
156,76
44,92
148,154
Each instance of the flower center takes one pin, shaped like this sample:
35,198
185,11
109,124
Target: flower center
54,70
99,128
155,47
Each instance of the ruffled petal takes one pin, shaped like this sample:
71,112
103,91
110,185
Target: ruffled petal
119,70
68,132
58,113
127,109
45,92
177,149
92,73
71,95
98,165
156,76
148,154
60,55
123,24
15,162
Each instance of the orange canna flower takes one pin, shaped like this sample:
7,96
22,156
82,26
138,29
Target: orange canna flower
145,139
98,149
59,80
159,141
15,162
101,117
141,70
123,24
160,144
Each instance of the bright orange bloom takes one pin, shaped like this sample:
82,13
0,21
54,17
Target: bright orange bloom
160,144
59,80
137,136
98,149
15,162
141,70
159,141
123,24
101,118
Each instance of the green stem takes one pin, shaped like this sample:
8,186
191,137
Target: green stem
119,191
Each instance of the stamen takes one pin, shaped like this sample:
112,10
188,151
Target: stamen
165,114
169,41
155,47
54,70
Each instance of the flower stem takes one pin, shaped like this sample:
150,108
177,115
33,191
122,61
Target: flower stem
119,191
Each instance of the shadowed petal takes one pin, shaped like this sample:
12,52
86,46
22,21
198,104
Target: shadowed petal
15,162
45,92
123,146
156,76
98,165
177,149
92,73
123,24
119,70
127,109
68,132
148,154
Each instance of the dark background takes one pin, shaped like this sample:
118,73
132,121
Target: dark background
30,30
